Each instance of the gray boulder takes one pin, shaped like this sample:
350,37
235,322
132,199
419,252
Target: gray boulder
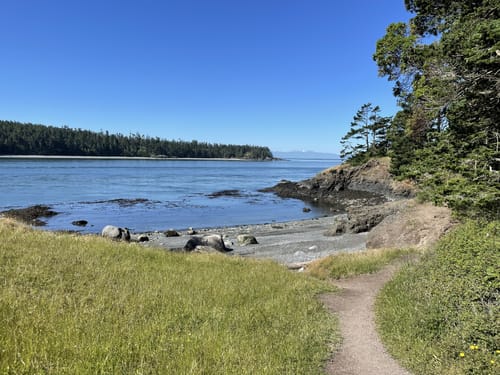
363,219
171,233
246,239
116,233
139,238
214,241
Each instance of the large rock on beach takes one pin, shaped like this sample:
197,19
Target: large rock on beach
246,239
171,233
363,219
116,233
139,238
214,241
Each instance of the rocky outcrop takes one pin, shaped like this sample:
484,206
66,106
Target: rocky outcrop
363,219
79,223
30,215
346,186
116,233
225,193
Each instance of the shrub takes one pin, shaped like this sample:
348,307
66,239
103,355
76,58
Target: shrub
442,316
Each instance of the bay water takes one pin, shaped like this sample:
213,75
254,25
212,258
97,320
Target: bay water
147,195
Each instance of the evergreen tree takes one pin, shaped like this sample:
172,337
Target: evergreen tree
445,65
367,135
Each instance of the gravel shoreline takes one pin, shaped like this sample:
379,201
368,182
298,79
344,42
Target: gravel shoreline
290,243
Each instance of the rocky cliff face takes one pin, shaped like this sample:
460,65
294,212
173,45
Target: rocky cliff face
372,201
347,186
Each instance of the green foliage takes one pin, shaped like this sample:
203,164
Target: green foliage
366,137
445,66
28,139
350,264
85,305
442,316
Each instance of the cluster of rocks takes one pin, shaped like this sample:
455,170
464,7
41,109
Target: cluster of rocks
202,243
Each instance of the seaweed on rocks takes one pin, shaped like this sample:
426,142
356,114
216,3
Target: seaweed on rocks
31,215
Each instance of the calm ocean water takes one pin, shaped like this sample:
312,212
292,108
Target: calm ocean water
172,193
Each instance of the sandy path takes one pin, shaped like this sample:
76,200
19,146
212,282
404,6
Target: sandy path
361,351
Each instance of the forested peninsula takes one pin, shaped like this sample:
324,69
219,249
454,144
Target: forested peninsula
32,139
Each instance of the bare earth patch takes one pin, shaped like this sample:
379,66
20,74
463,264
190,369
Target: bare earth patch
361,351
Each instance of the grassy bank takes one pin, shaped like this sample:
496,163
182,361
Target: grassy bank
350,264
442,316
84,305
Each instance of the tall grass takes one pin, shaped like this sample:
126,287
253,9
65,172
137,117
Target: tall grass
442,316
84,305
350,264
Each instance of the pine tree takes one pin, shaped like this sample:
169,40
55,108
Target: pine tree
367,135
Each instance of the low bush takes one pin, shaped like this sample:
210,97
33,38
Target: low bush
442,315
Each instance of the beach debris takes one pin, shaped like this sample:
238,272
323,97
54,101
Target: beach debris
213,240
246,239
116,233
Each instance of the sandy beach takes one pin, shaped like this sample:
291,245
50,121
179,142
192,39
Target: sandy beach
290,243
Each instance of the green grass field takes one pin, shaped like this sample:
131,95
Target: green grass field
84,305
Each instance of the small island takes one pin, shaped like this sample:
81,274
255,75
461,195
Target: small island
33,140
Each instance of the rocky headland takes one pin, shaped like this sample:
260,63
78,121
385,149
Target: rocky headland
346,186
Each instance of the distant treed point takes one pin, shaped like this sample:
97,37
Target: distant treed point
29,139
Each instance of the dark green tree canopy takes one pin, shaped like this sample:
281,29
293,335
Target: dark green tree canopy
28,139
367,135
445,65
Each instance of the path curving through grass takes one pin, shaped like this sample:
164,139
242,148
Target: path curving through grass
361,351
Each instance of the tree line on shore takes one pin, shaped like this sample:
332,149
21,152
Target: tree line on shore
31,139
445,65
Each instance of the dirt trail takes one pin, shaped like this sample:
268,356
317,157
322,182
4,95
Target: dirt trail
361,352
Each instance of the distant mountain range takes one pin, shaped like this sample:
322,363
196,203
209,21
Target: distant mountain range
304,155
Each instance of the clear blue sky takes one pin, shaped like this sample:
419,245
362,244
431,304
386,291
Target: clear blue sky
288,74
